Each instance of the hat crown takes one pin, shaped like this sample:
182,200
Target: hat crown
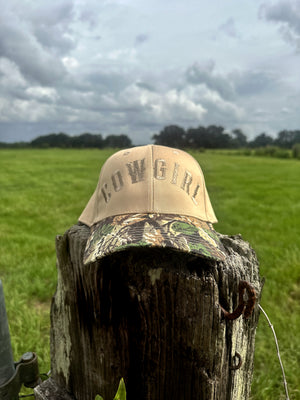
149,179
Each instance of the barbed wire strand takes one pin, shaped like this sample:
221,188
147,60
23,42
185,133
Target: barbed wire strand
278,352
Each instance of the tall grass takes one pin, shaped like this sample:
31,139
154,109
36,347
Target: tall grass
42,193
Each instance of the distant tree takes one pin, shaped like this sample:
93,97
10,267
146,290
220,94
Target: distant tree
287,138
211,137
117,141
196,137
296,137
15,145
87,140
172,135
262,140
296,150
218,138
239,138
52,140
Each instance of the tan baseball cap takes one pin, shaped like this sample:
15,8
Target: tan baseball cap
153,196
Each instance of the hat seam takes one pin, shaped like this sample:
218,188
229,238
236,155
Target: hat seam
205,203
151,184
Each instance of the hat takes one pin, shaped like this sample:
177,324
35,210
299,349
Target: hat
153,196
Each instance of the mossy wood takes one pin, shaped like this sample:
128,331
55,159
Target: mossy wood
153,317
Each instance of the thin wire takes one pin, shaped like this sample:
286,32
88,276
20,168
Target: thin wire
278,353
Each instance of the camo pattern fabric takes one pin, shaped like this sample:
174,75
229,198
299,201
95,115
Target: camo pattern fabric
183,233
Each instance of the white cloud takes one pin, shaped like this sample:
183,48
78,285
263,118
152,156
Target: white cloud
172,105
120,54
42,93
70,62
10,76
286,110
25,110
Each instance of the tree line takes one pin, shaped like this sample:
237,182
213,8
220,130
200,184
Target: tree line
85,140
210,137
216,137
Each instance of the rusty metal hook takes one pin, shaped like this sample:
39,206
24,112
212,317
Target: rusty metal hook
239,363
244,307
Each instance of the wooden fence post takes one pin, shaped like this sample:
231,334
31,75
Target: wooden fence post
153,317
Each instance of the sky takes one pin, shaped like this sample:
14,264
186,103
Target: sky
135,66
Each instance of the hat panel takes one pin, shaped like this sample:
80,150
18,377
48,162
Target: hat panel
179,186
124,185
87,215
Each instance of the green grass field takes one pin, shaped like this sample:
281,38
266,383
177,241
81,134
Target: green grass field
43,192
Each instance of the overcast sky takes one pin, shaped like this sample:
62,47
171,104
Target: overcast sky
134,66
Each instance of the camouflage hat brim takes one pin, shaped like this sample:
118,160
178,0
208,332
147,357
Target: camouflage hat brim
183,233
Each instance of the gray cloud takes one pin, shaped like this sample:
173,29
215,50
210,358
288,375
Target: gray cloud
52,25
286,11
229,27
287,14
146,86
57,13
251,82
141,38
19,45
50,38
104,81
204,74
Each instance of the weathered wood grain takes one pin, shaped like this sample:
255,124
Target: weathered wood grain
154,318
